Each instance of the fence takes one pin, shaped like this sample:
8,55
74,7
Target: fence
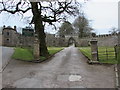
118,59
106,53
117,52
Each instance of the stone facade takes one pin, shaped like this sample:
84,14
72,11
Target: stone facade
9,36
25,41
103,40
94,50
0,39
12,38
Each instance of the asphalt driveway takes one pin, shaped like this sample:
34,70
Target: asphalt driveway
6,53
5,57
67,69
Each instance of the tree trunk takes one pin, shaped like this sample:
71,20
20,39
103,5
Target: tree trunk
39,29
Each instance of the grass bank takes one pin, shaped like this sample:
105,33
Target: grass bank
26,54
103,58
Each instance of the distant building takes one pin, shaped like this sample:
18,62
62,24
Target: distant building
28,31
9,36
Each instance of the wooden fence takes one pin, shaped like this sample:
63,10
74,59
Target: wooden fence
106,54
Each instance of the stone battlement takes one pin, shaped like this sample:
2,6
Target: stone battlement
108,35
103,36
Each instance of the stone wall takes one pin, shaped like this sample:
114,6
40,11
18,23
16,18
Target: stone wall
16,39
25,41
9,37
0,39
103,40
51,40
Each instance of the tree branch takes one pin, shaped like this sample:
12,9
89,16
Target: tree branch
17,9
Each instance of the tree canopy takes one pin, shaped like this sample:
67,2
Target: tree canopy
65,29
82,27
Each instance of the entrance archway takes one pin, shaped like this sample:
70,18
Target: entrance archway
71,41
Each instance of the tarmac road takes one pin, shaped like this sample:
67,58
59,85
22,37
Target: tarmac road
67,69
5,57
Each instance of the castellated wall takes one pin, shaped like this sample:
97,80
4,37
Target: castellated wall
12,38
108,41
0,39
103,40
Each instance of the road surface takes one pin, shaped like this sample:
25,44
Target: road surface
5,57
67,69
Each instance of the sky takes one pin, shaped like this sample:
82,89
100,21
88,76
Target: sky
103,15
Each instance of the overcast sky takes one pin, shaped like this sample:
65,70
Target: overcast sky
102,13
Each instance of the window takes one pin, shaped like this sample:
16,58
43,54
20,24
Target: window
23,33
8,40
8,33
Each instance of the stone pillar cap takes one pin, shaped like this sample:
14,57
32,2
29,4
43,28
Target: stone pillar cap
93,40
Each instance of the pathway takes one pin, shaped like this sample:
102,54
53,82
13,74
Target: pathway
5,57
67,69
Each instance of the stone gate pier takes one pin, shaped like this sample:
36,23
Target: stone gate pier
36,51
94,51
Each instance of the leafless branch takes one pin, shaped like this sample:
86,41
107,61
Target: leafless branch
10,9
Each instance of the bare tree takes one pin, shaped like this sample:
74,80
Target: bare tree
53,11
82,26
65,29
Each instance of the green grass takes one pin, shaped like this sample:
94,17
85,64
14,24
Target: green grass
23,54
86,51
26,54
53,50
102,54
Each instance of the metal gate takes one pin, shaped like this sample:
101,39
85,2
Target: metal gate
106,53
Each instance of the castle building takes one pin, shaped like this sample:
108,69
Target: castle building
9,36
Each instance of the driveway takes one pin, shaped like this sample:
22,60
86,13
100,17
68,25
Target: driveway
5,57
67,69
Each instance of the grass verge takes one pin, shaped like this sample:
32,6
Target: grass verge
26,54
102,54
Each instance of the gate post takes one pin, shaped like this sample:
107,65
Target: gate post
36,51
94,50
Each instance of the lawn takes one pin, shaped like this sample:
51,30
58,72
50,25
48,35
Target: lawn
27,53
23,54
103,58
